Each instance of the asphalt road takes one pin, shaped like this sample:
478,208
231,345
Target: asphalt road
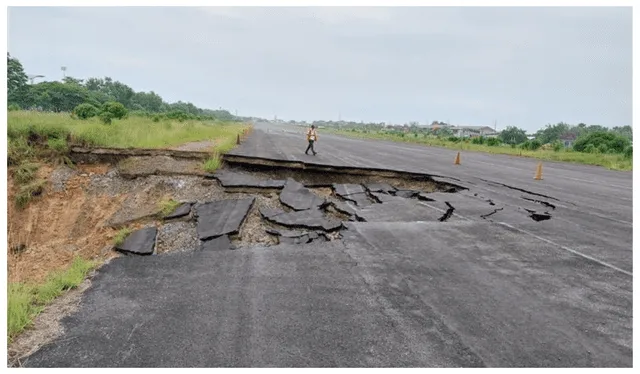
593,214
501,292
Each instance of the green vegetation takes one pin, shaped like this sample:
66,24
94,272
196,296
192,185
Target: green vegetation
121,236
212,164
25,302
132,132
102,97
168,206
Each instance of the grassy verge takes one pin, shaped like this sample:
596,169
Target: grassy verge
132,132
609,161
25,302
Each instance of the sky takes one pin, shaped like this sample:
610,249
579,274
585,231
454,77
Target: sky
520,66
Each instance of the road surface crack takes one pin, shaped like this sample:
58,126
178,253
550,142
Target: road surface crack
448,213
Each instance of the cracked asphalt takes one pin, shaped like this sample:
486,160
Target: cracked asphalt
498,291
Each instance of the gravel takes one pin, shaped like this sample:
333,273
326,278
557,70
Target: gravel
177,237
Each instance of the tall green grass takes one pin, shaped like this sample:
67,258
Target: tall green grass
25,301
609,161
132,132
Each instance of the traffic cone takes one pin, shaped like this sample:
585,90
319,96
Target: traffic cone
538,176
457,161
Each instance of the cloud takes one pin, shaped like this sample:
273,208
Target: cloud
526,66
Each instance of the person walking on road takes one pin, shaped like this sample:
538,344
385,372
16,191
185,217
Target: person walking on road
312,136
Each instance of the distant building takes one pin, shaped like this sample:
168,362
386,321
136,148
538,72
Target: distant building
473,131
568,140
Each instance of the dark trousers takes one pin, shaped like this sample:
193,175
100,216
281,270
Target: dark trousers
310,147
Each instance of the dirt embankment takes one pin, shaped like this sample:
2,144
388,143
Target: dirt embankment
67,220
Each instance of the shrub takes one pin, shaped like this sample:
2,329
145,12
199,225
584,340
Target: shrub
628,152
557,146
106,117
603,148
13,107
589,148
115,109
85,111
493,142
453,139
156,118
477,140
612,141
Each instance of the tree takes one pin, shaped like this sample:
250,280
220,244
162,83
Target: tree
513,135
17,88
85,111
57,97
552,133
151,101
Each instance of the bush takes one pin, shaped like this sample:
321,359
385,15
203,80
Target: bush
477,140
156,118
531,145
557,146
614,142
85,111
106,117
454,139
493,142
115,109
13,107
603,148
589,148
628,152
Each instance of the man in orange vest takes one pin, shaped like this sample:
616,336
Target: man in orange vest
312,136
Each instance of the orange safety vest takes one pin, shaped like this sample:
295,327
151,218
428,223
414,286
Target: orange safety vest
312,135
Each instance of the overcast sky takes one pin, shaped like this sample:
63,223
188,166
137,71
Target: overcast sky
520,66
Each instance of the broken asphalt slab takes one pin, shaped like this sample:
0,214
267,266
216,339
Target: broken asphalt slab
222,217
348,189
140,242
312,219
400,210
297,197
181,211
241,180
221,243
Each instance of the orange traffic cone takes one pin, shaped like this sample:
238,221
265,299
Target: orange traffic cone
457,161
538,175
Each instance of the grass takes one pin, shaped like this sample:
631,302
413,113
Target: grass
168,206
213,163
609,161
28,191
121,236
25,302
25,172
132,132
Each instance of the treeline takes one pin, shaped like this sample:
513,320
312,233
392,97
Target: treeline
66,96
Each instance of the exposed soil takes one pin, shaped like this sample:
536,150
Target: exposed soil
56,226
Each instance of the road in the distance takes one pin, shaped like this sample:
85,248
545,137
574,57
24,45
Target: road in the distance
593,206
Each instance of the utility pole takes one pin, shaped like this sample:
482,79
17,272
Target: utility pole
64,72
33,77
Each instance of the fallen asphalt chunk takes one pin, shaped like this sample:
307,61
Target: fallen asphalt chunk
181,211
241,180
220,243
223,217
312,219
407,194
348,189
297,197
140,242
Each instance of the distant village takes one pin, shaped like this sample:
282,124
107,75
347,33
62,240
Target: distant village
462,131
